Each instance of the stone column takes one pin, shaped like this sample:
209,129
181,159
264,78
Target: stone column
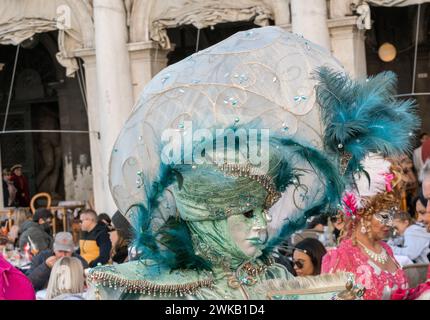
99,168
340,8
146,59
281,10
309,18
114,86
348,46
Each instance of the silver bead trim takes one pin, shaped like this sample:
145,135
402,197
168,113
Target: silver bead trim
145,287
246,170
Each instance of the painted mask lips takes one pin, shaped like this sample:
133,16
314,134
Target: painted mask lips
256,241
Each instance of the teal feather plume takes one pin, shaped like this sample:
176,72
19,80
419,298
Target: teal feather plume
176,237
362,116
145,239
334,186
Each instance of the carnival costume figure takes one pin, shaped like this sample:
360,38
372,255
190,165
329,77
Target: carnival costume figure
368,210
230,151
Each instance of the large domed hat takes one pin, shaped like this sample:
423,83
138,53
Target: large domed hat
262,74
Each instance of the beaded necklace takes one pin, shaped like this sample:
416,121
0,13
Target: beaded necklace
382,257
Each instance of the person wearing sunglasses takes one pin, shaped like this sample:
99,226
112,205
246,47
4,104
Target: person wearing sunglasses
307,257
121,236
368,209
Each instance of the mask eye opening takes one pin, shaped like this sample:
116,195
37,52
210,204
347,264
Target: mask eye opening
249,214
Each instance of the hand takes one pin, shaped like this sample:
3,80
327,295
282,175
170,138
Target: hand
51,261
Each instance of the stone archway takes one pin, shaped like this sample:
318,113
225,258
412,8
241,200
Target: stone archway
149,19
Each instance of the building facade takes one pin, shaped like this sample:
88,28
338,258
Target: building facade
82,64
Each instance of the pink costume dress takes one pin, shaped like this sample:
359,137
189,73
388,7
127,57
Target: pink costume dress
422,291
379,284
14,285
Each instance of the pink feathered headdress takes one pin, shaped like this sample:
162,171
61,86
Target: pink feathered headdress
381,178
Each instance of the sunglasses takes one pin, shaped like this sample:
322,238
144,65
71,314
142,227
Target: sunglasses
299,264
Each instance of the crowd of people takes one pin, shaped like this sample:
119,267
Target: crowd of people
57,268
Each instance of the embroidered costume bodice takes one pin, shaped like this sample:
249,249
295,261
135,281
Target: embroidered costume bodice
378,283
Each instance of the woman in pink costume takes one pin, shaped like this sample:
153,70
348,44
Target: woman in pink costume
368,209
14,285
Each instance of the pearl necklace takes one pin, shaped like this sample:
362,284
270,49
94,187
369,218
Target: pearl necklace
382,257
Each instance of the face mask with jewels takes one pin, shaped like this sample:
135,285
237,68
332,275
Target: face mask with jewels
385,218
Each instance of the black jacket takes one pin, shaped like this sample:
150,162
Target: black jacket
95,246
39,272
37,234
